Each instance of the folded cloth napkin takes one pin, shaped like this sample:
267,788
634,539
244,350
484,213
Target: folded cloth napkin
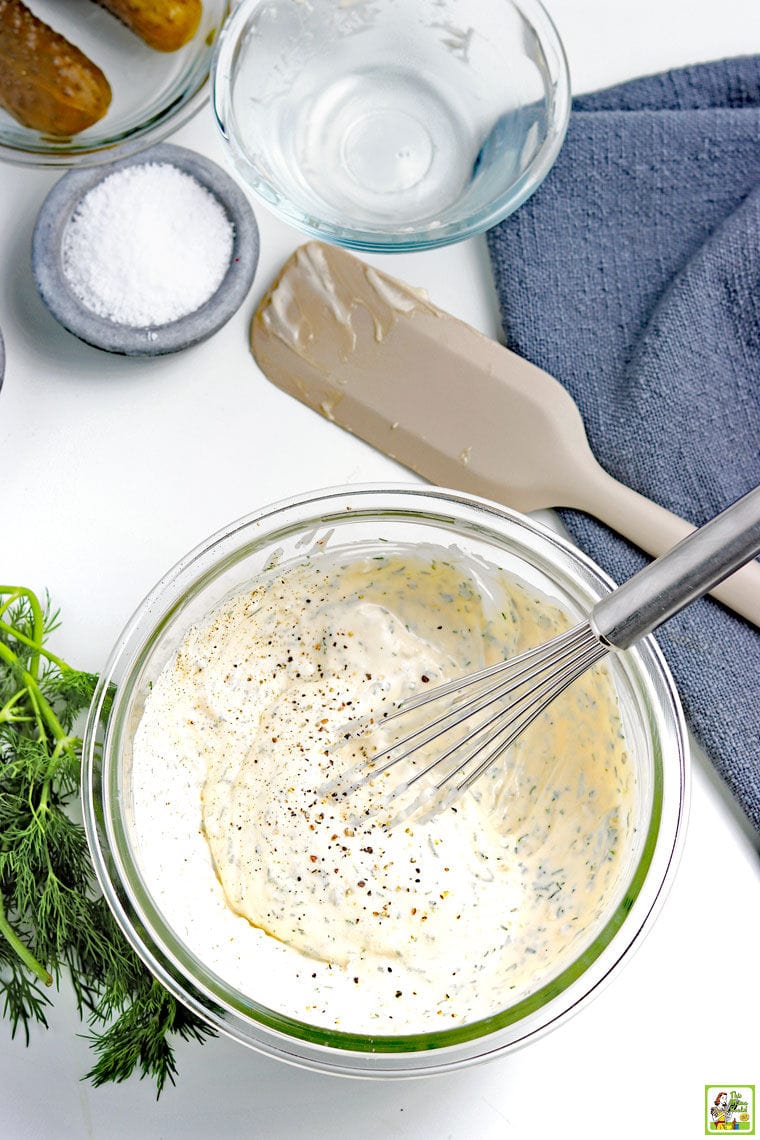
633,276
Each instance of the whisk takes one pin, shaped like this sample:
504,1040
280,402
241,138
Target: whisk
489,709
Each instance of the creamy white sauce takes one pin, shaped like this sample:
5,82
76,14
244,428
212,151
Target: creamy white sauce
314,908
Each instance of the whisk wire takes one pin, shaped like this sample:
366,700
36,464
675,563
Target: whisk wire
525,664
516,671
541,698
509,714
533,679
509,722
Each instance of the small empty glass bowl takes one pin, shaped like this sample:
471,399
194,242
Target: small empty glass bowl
391,125
153,92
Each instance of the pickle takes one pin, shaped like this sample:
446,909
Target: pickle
165,25
45,82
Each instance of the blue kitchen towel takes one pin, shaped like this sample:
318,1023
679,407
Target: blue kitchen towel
633,277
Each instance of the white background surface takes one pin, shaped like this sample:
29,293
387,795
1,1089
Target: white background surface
110,469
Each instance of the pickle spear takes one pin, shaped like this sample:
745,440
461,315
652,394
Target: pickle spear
47,83
164,25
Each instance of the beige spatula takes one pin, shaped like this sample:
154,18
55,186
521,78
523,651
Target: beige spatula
374,356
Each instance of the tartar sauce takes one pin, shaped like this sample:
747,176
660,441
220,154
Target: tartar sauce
307,902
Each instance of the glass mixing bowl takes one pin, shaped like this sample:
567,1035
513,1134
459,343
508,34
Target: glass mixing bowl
226,565
392,125
153,92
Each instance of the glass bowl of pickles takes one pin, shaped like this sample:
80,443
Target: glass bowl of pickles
84,82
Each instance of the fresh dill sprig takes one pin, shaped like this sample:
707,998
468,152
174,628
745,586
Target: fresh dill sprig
53,923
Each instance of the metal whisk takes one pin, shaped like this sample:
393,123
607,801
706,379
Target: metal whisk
491,708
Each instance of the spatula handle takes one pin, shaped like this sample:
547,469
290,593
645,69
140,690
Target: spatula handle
655,530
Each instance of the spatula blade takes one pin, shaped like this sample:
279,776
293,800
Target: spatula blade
376,357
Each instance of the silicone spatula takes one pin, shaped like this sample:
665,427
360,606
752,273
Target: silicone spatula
376,357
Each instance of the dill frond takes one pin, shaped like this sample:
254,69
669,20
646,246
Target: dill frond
54,926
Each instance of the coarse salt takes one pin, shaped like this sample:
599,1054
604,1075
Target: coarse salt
147,245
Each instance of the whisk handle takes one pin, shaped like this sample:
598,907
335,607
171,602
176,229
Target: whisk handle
685,573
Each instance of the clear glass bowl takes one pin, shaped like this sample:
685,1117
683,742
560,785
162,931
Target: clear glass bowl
225,565
392,125
153,92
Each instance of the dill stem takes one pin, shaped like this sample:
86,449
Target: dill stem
35,693
38,618
41,649
42,804
20,949
36,710
7,714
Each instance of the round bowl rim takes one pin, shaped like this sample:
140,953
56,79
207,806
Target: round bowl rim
311,1053
375,241
100,332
